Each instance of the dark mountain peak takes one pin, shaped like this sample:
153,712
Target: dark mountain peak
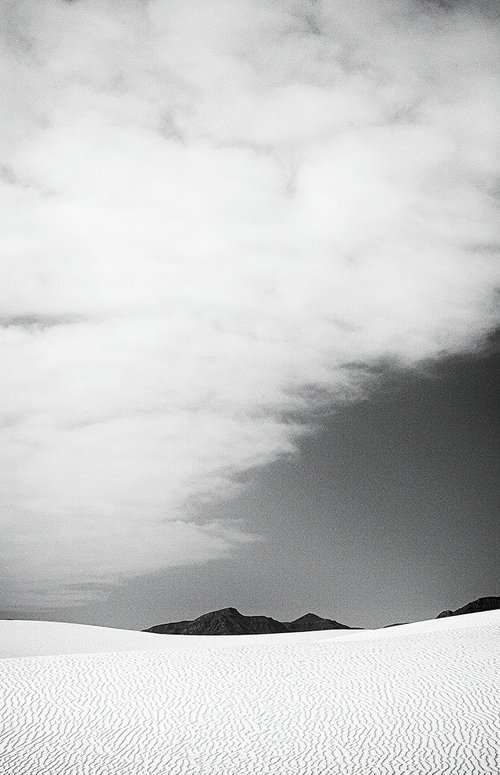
229,611
226,621
481,604
312,621
222,613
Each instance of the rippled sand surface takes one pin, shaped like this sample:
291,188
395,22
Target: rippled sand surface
423,698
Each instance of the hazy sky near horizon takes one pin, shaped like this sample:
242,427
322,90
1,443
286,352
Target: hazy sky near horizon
223,222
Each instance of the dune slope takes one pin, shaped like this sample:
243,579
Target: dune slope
417,699
22,638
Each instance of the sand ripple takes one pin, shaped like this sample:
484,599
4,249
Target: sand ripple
407,704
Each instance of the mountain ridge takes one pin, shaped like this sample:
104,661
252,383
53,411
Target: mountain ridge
229,621
311,621
489,603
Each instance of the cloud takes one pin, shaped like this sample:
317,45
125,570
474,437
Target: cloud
216,216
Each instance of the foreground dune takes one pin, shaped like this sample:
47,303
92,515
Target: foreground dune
422,698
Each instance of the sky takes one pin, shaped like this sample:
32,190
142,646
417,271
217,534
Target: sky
247,246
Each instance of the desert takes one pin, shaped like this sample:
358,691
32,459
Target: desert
420,698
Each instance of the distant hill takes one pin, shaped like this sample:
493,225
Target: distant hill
481,604
310,622
229,621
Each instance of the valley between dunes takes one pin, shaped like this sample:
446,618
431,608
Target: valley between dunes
422,698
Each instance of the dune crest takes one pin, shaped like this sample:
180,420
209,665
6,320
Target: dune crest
421,698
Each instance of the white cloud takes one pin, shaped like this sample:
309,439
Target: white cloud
211,211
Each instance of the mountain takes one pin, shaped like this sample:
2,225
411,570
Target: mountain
313,622
481,604
229,621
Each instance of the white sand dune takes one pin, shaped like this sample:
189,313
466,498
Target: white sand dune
422,698
20,638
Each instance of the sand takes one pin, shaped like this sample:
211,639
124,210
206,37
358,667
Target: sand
20,638
422,698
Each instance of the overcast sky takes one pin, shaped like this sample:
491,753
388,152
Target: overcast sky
224,225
